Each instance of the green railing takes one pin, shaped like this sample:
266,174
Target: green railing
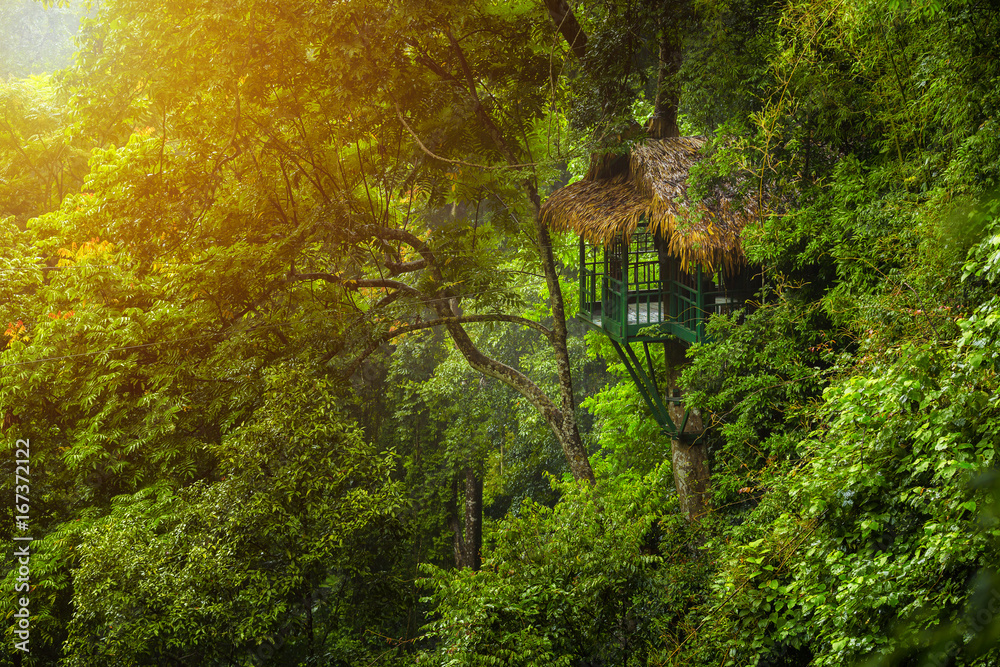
613,298
589,294
621,307
686,310
628,310
623,299
690,307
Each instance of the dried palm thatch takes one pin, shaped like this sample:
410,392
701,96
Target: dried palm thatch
651,185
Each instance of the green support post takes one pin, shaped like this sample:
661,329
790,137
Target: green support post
648,390
700,306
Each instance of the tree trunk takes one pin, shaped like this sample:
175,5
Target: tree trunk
569,433
664,121
565,21
468,534
692,476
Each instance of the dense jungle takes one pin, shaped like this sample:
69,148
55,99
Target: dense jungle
291,374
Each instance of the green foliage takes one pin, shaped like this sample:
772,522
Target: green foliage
601,576
875,539
175,311
878,525
619,66
629,440
755,384
256,561
40,161
725,68
859,532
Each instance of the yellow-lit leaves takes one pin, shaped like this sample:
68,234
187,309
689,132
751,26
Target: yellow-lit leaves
86,251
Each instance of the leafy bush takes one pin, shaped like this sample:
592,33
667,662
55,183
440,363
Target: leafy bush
598,579
251,566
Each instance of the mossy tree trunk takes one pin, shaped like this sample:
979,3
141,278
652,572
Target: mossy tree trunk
468,533
689,458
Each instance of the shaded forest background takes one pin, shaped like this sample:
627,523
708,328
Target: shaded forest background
287,336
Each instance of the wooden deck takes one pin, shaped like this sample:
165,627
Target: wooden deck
638,314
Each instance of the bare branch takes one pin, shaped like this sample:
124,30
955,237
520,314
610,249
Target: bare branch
412,240
463,163
396,268
465,319
357,284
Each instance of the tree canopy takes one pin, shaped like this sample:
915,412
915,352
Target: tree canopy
295,355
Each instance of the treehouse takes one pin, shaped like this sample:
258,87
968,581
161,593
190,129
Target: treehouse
654,266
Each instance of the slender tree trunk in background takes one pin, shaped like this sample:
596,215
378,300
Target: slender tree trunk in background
468,535
569,431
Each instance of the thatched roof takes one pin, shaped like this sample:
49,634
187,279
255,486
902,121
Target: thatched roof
651,184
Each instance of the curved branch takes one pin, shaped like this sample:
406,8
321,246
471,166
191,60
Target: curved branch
463,163
396,268
387,299
357,284
402,236
512,377
465,319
